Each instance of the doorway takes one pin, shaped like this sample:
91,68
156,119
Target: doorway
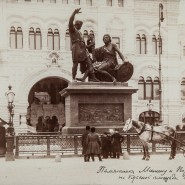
46,106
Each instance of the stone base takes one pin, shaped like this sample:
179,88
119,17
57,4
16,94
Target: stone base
9,157
80,130
102,105
2,151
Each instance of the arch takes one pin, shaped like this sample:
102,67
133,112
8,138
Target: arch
142,29
30,80
147,70
89,24
53,23
115,23
15,21
34,21
151,117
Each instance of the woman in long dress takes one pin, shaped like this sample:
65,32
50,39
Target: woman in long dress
93,145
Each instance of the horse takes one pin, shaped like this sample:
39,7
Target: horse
148,133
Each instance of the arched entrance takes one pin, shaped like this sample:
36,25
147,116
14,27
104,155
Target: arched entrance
46,107
150,117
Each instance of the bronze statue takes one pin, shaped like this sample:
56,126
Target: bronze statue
107,56
103,65
79,51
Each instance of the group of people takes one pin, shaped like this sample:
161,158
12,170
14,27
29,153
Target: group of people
48,124
81,50
106,145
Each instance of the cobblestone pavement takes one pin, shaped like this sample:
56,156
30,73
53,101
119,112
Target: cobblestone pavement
159,170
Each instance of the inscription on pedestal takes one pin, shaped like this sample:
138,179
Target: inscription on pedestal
98,113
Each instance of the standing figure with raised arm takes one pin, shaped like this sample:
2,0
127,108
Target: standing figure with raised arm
79,51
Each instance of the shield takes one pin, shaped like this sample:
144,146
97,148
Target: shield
124,72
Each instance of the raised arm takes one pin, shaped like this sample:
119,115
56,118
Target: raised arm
71,19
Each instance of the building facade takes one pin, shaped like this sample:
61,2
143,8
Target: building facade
35,55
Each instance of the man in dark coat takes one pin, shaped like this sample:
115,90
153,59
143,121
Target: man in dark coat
79,52
106,145
84,143
117,139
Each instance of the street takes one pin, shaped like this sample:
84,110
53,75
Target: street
74,171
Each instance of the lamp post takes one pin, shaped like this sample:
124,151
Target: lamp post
150,107
161,19
10,130
10,98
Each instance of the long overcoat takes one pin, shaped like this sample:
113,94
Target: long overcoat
93,143
117,139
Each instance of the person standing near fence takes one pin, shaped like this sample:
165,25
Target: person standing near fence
84,143
117,139
93,145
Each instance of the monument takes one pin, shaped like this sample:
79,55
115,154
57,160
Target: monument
105,101
99,104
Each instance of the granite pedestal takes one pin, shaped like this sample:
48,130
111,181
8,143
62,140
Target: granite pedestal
99,104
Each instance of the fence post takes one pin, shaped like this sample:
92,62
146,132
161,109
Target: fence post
17,146
153,147
48,145
128,143
76,145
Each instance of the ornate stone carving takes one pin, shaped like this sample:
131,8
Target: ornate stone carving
98,113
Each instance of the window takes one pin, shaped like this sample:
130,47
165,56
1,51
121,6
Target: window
41,1
53,39
77,2
183,89
28,0
109,2
56,40
116,40
13,39
148,89
19,38
35,39
138,44
156,88
89,2
154,45
143,44
31,39
50,39
67,41
120,3
38,39
16,38
141,87
52,1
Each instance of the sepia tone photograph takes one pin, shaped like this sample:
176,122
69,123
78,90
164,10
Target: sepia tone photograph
92,92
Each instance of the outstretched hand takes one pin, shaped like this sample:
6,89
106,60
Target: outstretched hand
77,11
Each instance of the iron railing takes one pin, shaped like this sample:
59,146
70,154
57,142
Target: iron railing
50,144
